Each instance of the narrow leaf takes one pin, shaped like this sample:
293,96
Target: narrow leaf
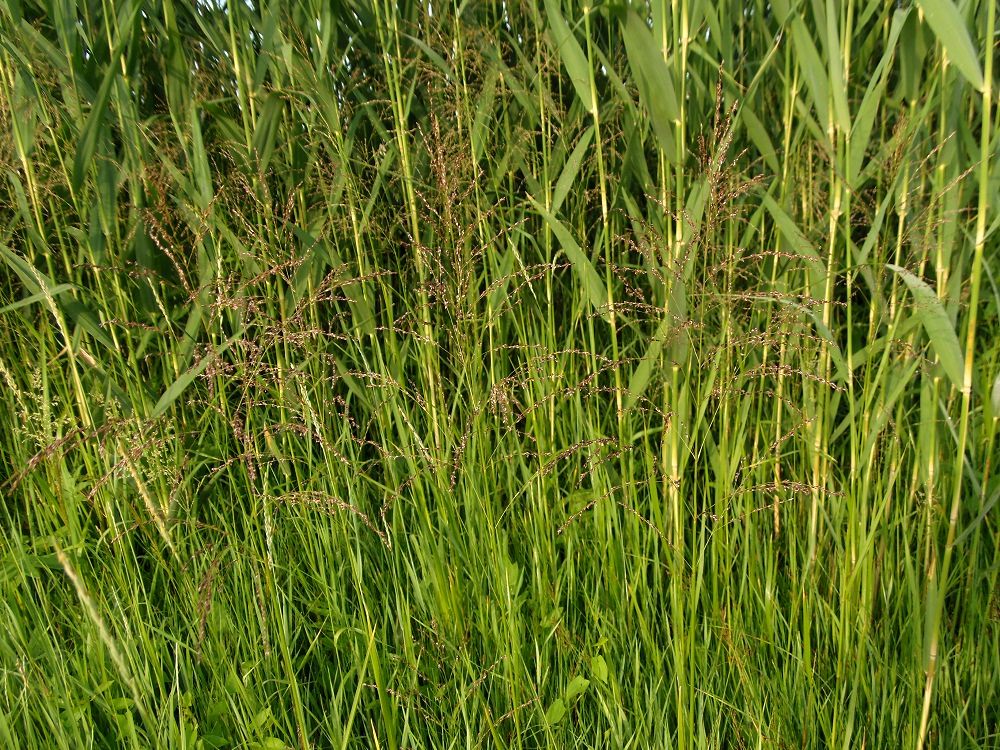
87,143
39,297
571,170
600,668
798,242
639,381
570,53
808,57
591,280
931,313
655,79
865,118
180,385
953,33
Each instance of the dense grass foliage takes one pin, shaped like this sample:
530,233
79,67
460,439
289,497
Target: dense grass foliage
398,375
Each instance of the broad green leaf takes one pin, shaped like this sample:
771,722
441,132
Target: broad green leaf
87,144
600,668
39,284
931,313
835,64
951,30
577,686
556,711
178,75
694,208
571,170
319,251
843,373
618,86
570,53
675,316
265,134
884,409
589,278
436,60
199,163
758,134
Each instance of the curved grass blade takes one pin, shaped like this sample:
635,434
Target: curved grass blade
571,170
932,315
180,385
953,33
591,280
570,53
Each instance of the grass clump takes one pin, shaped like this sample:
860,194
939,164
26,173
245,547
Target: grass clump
499,375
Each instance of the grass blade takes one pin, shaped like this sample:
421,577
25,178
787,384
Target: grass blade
591,281
931,313
950,29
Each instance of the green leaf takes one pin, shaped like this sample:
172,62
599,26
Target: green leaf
995,396
933,317
318,251
571,53
571,170
639,381
39,297
953,33
177,67
184,380
577,687
591,280
87,143
865,118
834,58
798,242
265,134
484,110
807,56
40,284
600,668
202,186
556,711
758,135
436,60
655,79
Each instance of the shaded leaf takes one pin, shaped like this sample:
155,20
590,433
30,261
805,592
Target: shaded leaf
655,79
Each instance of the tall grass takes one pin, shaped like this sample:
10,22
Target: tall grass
407,375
